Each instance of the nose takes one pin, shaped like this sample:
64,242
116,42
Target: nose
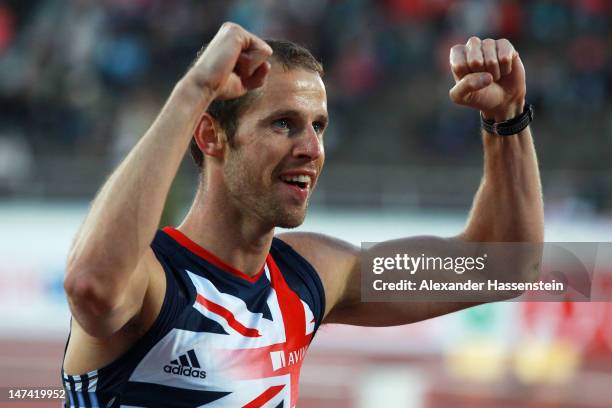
309,145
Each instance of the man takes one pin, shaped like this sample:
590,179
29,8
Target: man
218,311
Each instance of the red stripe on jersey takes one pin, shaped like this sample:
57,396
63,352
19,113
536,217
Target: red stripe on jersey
229,316
291,307
294,319
182,239
264,397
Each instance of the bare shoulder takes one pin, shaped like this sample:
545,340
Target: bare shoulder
334,260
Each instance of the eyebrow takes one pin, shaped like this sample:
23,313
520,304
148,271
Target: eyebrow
293,113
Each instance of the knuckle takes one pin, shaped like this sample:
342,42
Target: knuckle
266,48
230,27
473,40
457,48
488,41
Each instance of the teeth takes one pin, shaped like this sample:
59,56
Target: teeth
302,178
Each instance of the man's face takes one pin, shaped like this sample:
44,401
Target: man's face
277,154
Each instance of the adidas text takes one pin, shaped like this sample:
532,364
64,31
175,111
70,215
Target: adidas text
185,371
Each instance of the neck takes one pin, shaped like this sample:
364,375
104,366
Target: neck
219,226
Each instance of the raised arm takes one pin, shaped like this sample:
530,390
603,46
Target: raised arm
508,207
108,268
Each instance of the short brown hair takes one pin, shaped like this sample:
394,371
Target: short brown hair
289,54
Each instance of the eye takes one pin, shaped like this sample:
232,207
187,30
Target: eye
319,127
282,123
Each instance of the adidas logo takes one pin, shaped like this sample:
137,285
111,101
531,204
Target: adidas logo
187,365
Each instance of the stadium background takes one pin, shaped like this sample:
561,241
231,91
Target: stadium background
80,80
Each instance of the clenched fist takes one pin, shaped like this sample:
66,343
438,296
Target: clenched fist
489,76
234,62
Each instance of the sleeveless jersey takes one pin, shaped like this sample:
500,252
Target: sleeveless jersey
222,338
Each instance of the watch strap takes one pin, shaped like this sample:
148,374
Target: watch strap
510,126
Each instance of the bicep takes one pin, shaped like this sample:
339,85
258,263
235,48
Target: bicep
339,265
147,281
103,321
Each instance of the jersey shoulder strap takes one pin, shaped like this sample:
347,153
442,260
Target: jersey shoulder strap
301,277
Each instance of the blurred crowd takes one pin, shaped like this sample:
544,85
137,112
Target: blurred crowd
82,79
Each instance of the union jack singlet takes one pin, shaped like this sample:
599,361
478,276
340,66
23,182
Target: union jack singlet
222,338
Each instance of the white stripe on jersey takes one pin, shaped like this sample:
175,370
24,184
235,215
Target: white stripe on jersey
309,316
272,332
93,381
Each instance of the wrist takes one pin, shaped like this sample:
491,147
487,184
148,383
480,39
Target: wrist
502,114
196,93
509,127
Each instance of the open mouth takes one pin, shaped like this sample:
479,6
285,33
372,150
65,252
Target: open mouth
301,181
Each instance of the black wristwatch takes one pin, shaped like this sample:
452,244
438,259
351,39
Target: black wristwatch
510,126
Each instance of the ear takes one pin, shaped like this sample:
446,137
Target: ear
208,136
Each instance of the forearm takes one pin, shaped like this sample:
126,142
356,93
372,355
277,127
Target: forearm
125,214
508,206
